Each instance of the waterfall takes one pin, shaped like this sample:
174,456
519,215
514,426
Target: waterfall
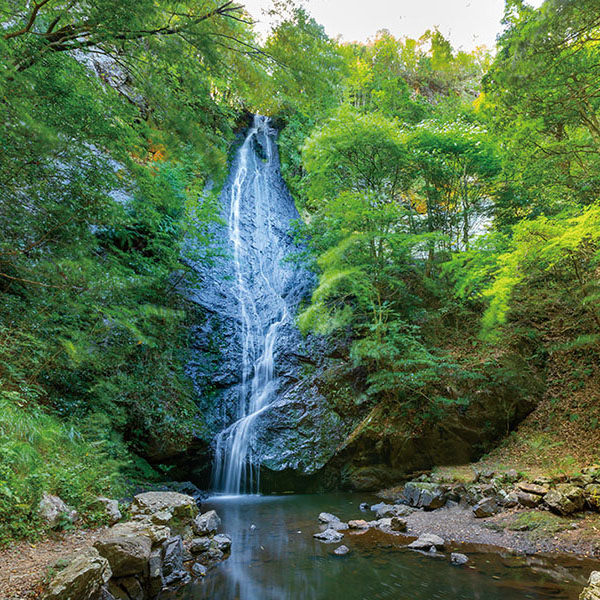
262,310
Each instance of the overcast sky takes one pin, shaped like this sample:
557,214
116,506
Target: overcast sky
467,23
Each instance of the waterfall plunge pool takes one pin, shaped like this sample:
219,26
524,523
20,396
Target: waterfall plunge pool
280,560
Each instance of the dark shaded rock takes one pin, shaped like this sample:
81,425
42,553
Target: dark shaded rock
529,500
488,490
428,496
189,489
132,587
82,578
199,545
565,499
211,557
485,508
398,524
222,542
592,495
460,436
155,574
173,561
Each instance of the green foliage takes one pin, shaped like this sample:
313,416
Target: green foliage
115,117
563,253
31,442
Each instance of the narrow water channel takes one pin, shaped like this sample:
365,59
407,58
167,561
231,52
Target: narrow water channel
274,557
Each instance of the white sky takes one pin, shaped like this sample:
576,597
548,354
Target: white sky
466,23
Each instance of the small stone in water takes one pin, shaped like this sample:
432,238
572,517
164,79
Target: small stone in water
364,507
459,559
341,550
329,536
325,517
252,527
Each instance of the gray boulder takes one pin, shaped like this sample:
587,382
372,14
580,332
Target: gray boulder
529,500
456,558
338,525
110,508
427,541
173,561
82,579
206,523
54,511
329,536
326,517
221,542
126,554
485,508
393,510
565,499
341,550
199,545
428,496
173,509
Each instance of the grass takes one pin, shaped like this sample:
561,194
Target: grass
39,453
539,524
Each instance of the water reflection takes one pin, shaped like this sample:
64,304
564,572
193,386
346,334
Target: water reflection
280,560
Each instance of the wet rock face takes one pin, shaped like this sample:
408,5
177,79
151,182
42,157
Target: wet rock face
299,433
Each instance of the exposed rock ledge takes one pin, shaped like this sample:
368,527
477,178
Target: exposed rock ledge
166,543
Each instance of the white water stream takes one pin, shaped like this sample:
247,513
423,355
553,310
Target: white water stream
262,310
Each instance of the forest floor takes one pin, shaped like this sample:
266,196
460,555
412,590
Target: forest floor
25,565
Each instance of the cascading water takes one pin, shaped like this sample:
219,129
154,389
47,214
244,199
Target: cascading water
248,360
263,312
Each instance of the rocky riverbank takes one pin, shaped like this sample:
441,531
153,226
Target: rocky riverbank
166,543
502,510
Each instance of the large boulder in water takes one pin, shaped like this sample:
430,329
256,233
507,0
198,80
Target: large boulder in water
206,523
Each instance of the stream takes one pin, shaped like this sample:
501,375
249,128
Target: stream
280,560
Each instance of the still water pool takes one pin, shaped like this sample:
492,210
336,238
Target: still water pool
280,560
